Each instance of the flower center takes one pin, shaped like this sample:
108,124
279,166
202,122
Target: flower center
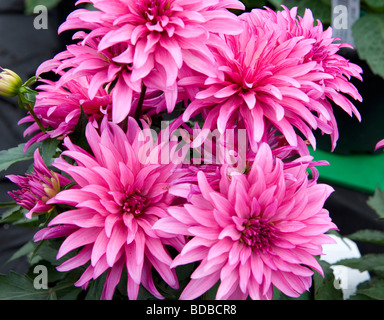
134,203
154,9
258,234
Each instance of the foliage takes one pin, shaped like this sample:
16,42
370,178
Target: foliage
31,4
372,289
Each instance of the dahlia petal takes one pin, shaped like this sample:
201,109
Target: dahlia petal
227,286
226,112
55,232
202,216
147,282
165,59
182,214
134,269
192,256
173,48
156,247
140,56
280,282
125,57
226,91
141,72
222,204
204,232
77,239
112,280
116,241
165,271
99,248
219,248
80,259
254,290
132,289
198,64
83,218
196,287
245,275
206,267
172,226
379,145
230,231
234,254
140,247
250,99
122,97
257,268
85,278
72,197
110,222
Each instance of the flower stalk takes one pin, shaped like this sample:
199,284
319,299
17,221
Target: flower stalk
27,98
140,102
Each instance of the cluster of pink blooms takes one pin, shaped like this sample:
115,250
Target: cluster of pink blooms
273,74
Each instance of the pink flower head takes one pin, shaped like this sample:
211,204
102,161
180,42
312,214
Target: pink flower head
83,59
116,203
37,187
275,76
147,40
325,52
59,108
255,231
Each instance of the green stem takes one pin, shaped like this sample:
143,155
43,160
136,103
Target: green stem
37,120
140,103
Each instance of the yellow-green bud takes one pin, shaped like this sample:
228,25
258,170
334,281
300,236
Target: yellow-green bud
10,83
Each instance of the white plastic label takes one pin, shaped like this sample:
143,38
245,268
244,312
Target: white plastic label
344,15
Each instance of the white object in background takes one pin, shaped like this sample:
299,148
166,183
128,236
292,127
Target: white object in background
346,279
344,15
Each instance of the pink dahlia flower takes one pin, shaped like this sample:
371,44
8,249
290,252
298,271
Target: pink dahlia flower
116,203
255,231
85,60
37,188
147,40
59,108
325,52
275,76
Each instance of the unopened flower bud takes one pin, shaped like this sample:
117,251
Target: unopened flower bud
10,83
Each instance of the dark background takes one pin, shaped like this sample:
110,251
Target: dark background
23,48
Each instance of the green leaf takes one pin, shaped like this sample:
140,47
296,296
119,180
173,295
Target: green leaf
31,81
78,134
14,155
373,236
376,202
368,34
277,3
320,9
375,4
47,250
48,150
8,204
14,286
13,215
31,4
278,295
375,291
324,288
368,262
25,250
95,288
